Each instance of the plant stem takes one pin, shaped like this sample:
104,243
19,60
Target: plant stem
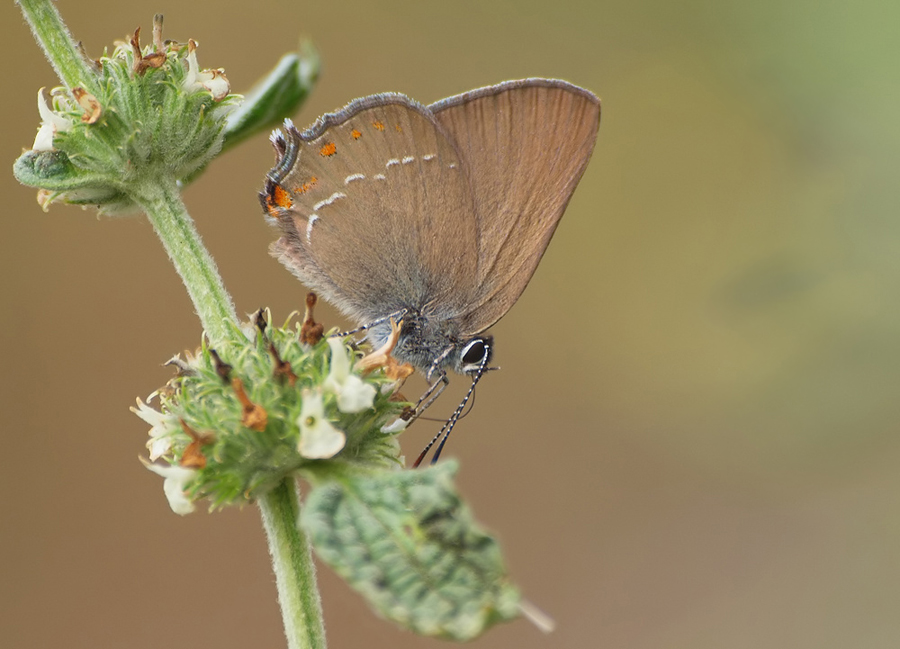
162,203
160,199
295,575
295,572
60,48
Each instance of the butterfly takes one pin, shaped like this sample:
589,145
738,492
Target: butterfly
436,216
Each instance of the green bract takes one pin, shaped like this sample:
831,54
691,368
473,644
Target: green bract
275,96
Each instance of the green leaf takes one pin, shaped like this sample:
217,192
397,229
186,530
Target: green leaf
54,172
275,97
409,545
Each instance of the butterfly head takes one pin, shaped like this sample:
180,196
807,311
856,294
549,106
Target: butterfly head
472,356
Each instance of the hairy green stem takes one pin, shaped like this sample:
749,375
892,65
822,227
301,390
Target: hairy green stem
295,575
160,199
162,203
61,49
295,572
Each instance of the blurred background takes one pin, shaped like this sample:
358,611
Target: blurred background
700,450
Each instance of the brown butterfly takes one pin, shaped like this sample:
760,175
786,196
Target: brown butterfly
434,215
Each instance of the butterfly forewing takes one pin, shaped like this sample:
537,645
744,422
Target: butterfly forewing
376,209
525,145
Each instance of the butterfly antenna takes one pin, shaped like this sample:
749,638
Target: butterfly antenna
444,433
457,414
462,416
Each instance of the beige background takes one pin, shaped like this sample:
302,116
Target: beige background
694,439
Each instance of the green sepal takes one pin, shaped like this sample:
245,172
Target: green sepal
406,541
275,97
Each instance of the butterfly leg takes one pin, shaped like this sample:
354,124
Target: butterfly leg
369,325
430,396
440,385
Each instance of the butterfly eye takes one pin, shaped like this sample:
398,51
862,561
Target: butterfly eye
473,353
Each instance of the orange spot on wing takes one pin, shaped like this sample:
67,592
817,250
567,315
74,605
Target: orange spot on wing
278,198
356,134
397,126
378,124
305,187
329,149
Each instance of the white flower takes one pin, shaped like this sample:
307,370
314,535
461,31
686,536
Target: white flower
395,426
174,485
318,438
212,80
186,366
162,426
353,394
51,124
249,330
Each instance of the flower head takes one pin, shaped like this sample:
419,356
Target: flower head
244,416
143,116
319,440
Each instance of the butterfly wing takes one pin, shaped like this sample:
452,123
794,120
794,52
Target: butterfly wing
375,209
525,145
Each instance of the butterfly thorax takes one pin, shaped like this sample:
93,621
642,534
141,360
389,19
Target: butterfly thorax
427,342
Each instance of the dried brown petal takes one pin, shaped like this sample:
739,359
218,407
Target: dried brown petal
311,332
254,416
152,60
260,321
89,104
398,371
223,369
136,50
157,33
192,457
381,357
282,372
